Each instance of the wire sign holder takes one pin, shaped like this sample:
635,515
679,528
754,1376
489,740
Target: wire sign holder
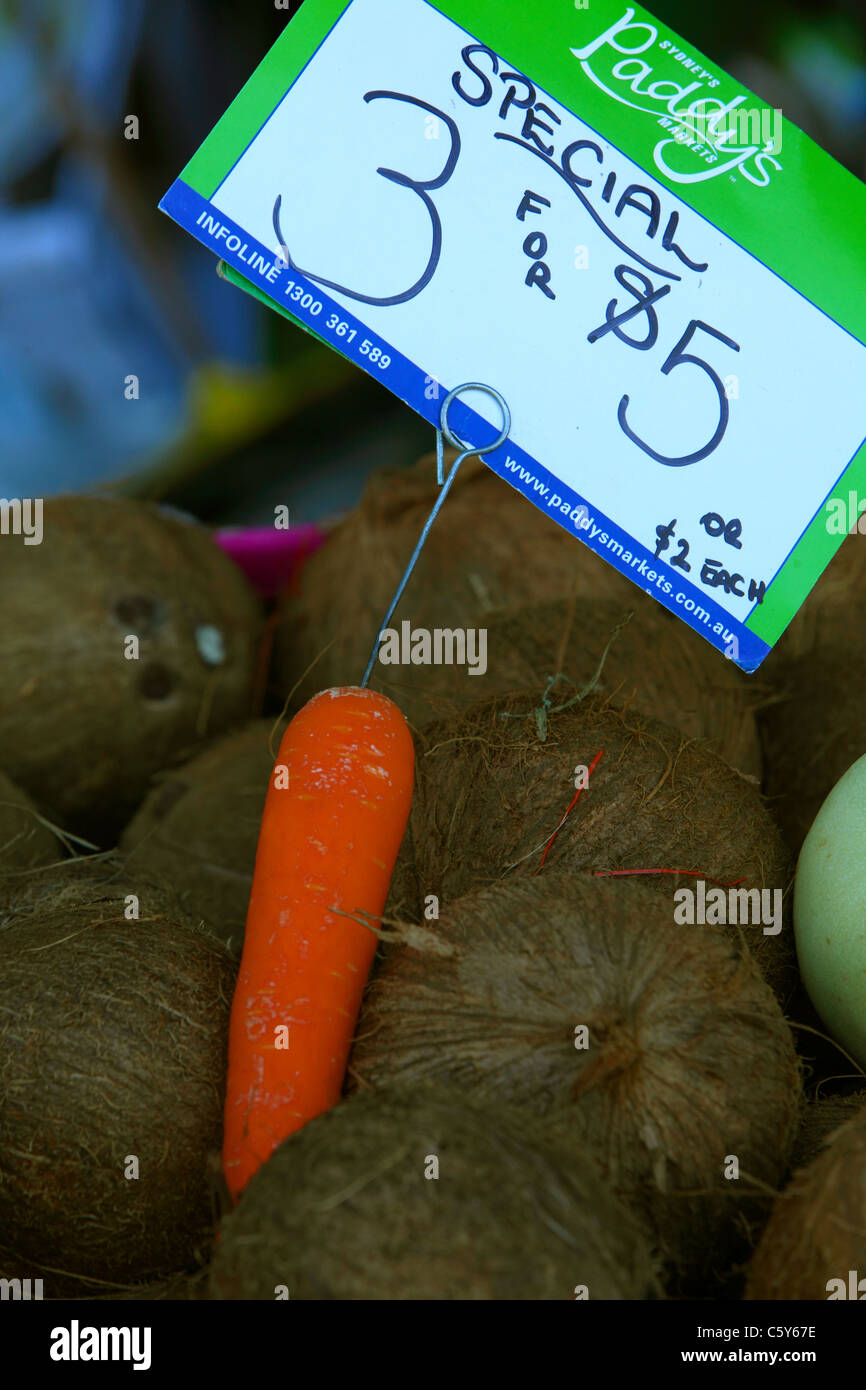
443,432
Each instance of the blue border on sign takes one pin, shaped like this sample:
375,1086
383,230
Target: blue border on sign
412,385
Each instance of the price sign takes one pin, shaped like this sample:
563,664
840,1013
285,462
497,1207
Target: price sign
664,278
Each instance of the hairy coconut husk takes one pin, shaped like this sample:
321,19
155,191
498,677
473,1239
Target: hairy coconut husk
113,1036
489,795
686,1060
819,1120
177,1288
647,659
347,1209
183,1287
27,840
817,1229
199,828
814,677
488,549
101,875
83,728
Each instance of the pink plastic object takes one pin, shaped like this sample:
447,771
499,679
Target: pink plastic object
268,557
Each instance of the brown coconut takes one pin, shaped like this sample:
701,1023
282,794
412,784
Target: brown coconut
83,728
183,1287
817,1231
811,724
489,548
86,877
177,1288
489,795
657,1048
27,841
820,1118
351,1208
113,1037
198,829
644,658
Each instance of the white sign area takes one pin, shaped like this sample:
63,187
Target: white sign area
650,363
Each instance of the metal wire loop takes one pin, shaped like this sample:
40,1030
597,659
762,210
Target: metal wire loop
446,430
444,488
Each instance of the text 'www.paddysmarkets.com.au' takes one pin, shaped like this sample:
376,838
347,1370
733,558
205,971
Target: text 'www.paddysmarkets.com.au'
642,572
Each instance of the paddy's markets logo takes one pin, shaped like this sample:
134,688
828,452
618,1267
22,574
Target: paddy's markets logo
726,137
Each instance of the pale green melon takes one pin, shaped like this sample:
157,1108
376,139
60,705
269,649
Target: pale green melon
830,911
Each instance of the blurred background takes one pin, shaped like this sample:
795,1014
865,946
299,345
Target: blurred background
238,410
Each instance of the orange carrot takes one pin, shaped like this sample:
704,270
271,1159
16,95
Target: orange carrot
328,840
